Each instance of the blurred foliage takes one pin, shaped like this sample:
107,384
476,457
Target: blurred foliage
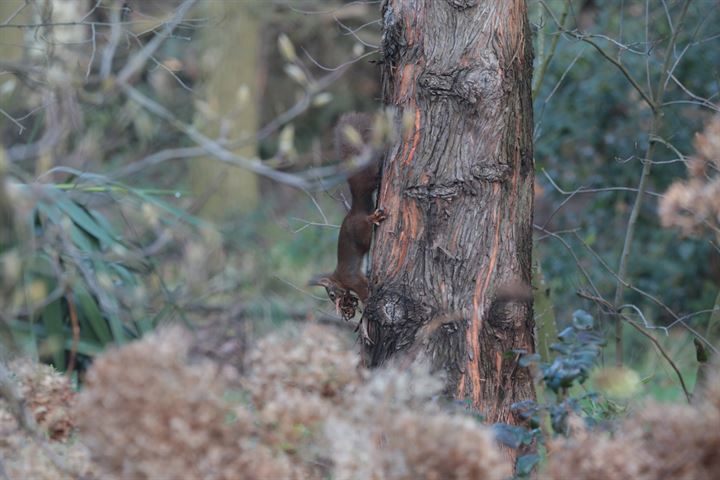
130,254
591,131
103,258
579,347
75,281
90,260
561,392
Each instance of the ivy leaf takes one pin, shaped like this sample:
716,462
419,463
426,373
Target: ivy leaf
582,320
527,360
526,463
509,435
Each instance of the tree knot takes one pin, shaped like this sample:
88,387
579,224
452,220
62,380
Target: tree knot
462,4
469,85
495,172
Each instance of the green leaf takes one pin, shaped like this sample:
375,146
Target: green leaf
26,340
78,236
40,264
105,224
111,313
527,360
526,463
509,435
92,314
52,319
80,217
582,320
90,349
116,326
127,277
176,212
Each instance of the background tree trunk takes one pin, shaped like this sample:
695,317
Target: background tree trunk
458,188
234,47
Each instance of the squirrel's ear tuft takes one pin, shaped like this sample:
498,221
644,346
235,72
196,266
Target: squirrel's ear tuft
322,280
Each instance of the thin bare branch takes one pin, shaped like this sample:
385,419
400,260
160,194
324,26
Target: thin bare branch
644,176
20,126
607,306
113,42
212,147
589,40
700,100
645,294
17,12
353,32
572,253
342,66
580,190
332,10
547,59
626,73
92,54
315,88
139,60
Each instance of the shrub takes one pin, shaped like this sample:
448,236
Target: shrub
305,409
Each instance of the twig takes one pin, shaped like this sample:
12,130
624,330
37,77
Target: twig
581,189
626,73
647,295
294,111
20,126
665,355
644,175
702,101
112,45
542,68
332,10
212,147
92,10
92,55
139,59
156,159
307,224
15,13
611,310
353,32
588,39
572,253
646,324
299,289
342,65
669,145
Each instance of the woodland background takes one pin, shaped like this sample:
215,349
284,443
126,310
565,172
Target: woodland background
170,162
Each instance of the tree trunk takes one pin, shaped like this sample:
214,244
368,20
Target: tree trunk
458,188
235,45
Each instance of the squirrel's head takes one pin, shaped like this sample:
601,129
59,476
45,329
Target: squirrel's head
332,287
340,296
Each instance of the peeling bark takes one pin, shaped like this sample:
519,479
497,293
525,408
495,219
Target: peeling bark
458,188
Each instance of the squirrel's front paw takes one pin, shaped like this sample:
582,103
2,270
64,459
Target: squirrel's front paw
378,216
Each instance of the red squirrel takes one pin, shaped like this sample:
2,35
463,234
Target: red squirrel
357,227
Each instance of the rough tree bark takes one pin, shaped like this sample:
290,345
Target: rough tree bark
458,188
